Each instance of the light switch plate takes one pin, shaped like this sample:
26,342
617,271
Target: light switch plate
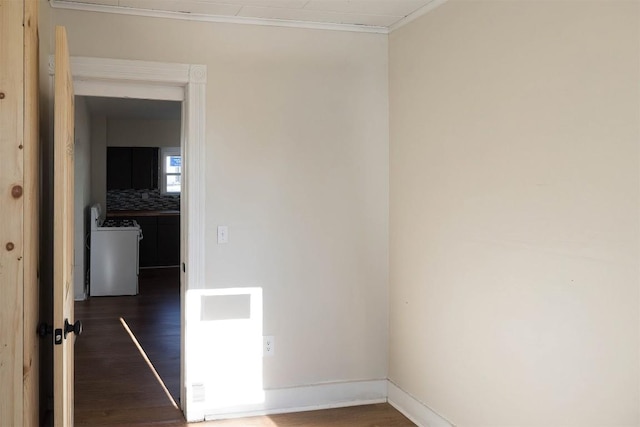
223,234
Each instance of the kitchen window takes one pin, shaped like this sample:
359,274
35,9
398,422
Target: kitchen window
170,170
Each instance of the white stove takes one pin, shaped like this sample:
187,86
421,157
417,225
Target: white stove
119,223
114,255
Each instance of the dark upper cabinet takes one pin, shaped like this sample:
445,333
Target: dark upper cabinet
144,168
118,168
132,167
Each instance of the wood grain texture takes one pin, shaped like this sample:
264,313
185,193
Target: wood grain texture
11,211
114,386
63,229
380,415
31,215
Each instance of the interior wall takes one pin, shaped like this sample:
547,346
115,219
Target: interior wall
297,167
99,160
82,196
143,133
514,212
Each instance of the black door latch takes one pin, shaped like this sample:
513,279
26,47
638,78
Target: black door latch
45,329
76,328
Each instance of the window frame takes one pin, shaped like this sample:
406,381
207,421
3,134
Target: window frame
164,153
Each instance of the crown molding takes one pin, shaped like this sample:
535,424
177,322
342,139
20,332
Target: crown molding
61,4
417,14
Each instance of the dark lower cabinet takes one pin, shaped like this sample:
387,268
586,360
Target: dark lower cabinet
168,240
149,242
160,246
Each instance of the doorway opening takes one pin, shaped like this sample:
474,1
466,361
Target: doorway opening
124,150
185,83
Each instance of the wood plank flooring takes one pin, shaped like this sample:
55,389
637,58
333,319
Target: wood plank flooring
380,415
115,386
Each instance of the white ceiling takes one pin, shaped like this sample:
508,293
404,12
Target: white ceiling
380,15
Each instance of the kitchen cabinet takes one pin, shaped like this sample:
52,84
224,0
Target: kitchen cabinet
132,168
118,168
149,243
168,240
160,246
144,168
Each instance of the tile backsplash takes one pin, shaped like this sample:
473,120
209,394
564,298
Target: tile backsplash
141,200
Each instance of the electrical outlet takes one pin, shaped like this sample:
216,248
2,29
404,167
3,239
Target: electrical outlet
268,346
198,393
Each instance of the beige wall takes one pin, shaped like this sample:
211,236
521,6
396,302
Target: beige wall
82,164
514,212
297,167
99,160
143,133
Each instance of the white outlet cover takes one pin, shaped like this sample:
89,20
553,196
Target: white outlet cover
268,345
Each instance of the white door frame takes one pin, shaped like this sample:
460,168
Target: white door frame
118,78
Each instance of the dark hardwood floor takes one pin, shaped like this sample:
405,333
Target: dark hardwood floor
115,386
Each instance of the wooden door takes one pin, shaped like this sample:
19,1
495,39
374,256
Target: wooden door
19,364
11,211
63,235
31,148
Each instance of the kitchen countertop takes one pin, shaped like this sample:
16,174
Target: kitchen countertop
116,214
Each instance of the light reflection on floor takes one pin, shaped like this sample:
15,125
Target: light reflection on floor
146,359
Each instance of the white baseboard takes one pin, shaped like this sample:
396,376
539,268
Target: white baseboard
413,409
309,398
